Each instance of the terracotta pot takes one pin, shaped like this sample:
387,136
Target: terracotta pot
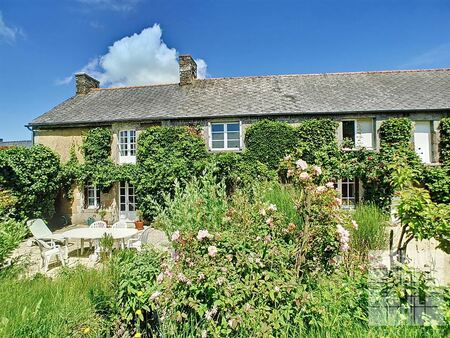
139,225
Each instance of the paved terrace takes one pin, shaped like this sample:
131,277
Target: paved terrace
29,253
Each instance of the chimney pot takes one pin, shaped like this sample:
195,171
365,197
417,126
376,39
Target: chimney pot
85,83
188,69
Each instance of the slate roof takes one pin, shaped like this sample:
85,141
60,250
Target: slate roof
24,143
332,93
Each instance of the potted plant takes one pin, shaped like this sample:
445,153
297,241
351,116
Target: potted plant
106,245
102,214
139,223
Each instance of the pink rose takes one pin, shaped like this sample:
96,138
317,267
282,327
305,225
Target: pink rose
212,251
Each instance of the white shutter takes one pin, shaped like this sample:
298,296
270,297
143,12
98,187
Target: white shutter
364,133
422,140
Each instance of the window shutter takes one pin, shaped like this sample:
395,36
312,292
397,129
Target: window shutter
98,197
364,130
85,197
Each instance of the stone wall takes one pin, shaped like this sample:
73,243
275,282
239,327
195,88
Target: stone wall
61,140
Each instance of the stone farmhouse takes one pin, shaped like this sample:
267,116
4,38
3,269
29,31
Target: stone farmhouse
225,107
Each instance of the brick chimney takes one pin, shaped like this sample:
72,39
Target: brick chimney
188,69
85,83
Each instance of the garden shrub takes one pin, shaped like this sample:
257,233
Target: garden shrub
136,291
201,201
11,234
165,155
240,272
32,176
268,141
444,142
239,169
437,182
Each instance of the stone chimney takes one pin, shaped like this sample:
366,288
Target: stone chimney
85,83
188,69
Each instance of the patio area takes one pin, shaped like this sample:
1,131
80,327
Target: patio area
29,254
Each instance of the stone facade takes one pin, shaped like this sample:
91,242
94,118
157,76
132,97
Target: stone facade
62,140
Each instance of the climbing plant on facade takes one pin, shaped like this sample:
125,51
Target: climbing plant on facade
166,155
444,142
32,177
268,141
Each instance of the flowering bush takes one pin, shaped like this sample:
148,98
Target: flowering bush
248,264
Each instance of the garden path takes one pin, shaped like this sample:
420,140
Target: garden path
29,254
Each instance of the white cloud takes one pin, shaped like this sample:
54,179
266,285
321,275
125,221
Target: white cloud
115,5
8,33
140,59
438,56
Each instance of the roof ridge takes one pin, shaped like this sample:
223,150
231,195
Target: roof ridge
131,87
337,73
289,75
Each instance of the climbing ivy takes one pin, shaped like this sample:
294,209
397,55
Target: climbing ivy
444,142
32,175
268,141
97,146
316,136
395,131
166,155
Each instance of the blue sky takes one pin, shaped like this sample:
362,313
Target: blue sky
43,42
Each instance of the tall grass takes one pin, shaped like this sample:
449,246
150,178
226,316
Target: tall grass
372,231
41,307
200,204
284,197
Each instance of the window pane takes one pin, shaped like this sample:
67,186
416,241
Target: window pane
344,190
233,127
217,136
348,130
233,144
233,136
217,127
217,144
351,191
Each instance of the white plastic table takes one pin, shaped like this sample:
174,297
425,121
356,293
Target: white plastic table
97,233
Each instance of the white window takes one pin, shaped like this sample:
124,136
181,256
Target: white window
358,133
127,146
225,136
349,134
349,192
127,201
92,197
422,140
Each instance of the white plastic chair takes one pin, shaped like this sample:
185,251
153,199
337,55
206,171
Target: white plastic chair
139,240
48,250
97,225
120,225
40,230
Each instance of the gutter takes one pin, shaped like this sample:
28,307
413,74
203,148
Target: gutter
268,115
